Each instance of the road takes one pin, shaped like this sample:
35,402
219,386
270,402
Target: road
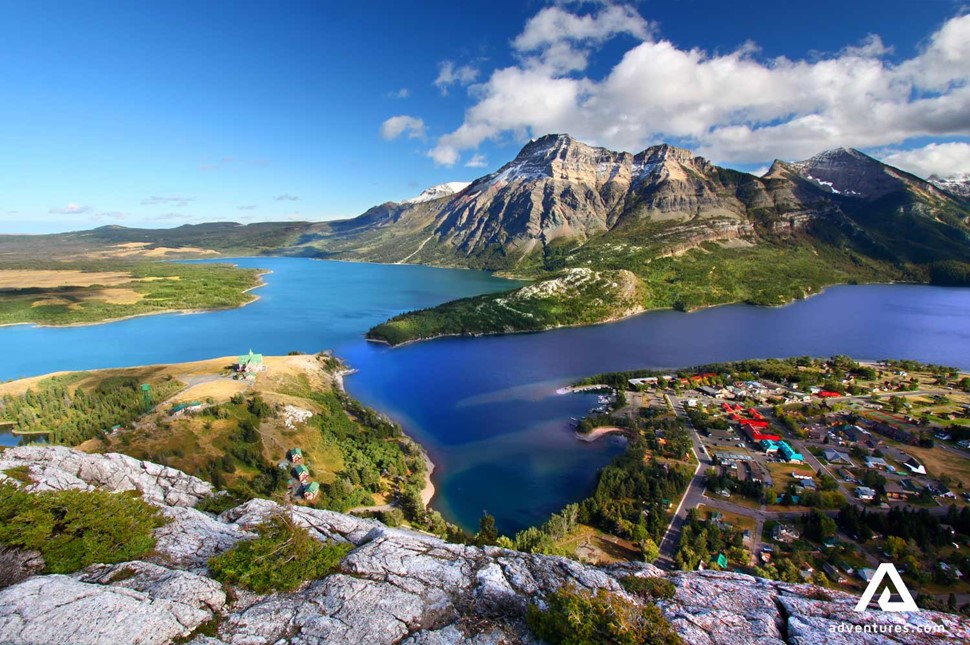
691,498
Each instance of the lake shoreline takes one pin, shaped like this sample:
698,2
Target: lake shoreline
179,312
428,491
615,319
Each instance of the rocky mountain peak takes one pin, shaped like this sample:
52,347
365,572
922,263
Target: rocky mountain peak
438,191
958,184
848,172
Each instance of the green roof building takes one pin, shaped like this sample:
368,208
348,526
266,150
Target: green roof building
302,473
295,455
721,561
311,491
250,362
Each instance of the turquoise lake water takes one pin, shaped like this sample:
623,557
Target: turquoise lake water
486,408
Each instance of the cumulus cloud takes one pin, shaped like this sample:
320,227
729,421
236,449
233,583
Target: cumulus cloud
402,93
450,74
286,197
940,159
395,126
733,107
70,209
559,40
477,161
178,202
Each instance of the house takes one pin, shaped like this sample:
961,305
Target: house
797,475
915,467
788,453
311,491
184,408
836,457
760,473
866,574
833,573
709,391
808,484
876,462
250,364
784,533
721,560
895,490
648,380
295,455
865,493
302,473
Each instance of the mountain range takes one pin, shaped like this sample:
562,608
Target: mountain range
660,228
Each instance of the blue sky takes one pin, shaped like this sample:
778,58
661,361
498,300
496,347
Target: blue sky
162,113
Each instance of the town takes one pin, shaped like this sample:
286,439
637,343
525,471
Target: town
809,470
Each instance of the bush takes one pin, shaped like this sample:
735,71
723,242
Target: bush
576,616
280,559
649,588
73,529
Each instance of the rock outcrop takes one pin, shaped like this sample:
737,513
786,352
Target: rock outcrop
395,586
60,468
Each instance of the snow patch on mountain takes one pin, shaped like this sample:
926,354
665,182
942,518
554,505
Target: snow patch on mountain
439,191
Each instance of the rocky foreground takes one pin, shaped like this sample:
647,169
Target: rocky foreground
395,586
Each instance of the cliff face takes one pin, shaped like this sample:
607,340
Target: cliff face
395,586
560,194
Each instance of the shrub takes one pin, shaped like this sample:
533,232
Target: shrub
280,559
649,588
73,529
576,616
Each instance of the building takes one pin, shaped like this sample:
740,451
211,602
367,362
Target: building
784,533
311,491
896,491
808,484
295,455
250,363
770,447
865,493
302,473
836,457
833,573
647,380
876,462
915,467
866,574
757,430
789,453
709,391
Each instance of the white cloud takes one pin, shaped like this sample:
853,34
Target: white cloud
395,126
477,161
70,209
940,159
733,107
286,197
560,40
178,202
450,74
402,93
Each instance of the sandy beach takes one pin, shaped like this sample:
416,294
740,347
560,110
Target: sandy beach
596,433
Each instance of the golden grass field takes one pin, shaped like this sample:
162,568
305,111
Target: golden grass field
57,278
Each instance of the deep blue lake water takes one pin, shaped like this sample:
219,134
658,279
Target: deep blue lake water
486,408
